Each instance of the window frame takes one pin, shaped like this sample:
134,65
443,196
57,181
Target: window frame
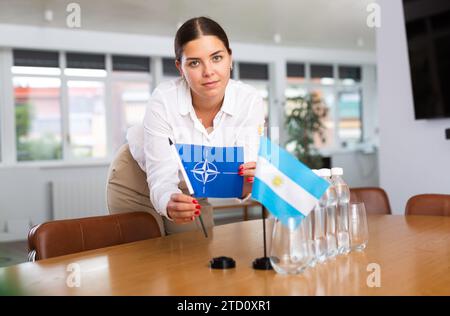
8,135
8,147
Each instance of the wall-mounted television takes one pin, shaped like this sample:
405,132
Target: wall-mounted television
428,36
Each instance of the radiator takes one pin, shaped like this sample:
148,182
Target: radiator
78,198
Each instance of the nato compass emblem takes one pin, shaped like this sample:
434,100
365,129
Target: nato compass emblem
205,172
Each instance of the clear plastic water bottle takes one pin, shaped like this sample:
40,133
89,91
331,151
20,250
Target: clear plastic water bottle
309,234
343,195
329,203
319,227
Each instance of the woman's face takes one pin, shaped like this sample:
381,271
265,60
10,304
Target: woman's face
206,64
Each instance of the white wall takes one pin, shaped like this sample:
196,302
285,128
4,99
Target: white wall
414,156
360,168
25,194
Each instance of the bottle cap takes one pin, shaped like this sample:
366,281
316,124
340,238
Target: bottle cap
337,171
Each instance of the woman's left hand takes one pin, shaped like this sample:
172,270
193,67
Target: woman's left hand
247,170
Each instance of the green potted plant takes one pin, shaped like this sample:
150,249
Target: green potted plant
304,122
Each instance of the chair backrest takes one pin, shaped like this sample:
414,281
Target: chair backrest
375,199
428,204
62,237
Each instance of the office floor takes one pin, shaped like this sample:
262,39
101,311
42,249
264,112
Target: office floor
16,252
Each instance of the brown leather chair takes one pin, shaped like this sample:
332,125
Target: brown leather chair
62,237
428,204
375,199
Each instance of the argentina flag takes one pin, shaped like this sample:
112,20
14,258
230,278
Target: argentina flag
213,171
284,185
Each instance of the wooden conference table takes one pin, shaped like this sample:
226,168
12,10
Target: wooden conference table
413,254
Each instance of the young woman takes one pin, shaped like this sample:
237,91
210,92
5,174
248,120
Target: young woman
202,107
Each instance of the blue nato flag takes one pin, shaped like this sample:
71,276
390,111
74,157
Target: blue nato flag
213,171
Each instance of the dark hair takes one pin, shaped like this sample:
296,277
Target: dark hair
193,29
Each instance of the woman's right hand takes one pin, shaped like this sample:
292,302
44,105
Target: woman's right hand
182,208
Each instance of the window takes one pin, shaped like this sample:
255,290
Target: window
349,105
257,75
131,86
61,109
37,102
296,72
170,71
322,74
342,97
130,99
349,75
38,118
130,63
86,105
253,71
85,65
318,86
349,114
42,104
295,85
326,95
87,129
35,58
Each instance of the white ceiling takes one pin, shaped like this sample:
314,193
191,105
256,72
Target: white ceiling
311,23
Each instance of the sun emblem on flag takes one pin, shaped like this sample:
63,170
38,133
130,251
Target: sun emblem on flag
260,130
277,181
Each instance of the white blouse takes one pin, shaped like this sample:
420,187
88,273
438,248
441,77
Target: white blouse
170,113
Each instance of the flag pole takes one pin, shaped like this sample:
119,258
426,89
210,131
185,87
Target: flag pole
263,263
188,182
264,231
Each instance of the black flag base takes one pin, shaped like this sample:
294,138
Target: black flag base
262,263
222,263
